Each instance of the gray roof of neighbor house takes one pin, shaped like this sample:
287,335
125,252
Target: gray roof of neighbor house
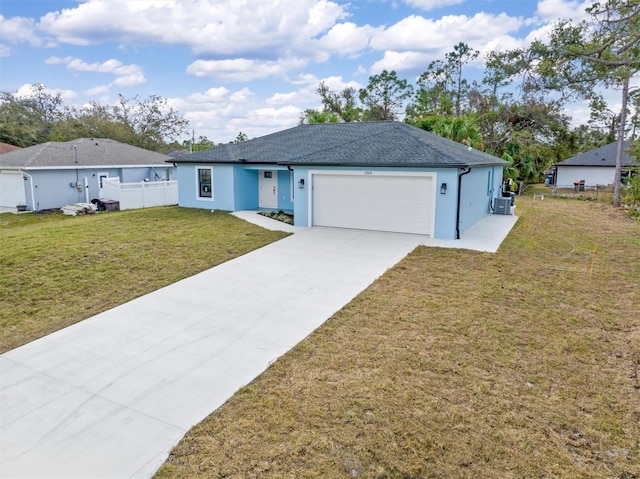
91,152
603,156
378,143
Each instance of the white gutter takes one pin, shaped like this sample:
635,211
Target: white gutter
90,167
33,196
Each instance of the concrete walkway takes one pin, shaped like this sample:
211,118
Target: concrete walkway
111,396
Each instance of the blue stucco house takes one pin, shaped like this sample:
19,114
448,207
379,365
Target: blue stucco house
386,176
53,174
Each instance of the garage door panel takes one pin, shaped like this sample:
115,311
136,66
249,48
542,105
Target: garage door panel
375,202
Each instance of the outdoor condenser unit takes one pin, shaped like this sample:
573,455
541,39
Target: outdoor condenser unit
502,206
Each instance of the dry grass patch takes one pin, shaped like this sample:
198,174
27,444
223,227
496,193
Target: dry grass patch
457,364
58,270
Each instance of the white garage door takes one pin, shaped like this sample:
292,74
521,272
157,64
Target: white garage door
403,204
11,189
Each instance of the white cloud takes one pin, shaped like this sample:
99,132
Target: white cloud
303,79
347,39
432,4
126,75
254,124
282,98
226,27
539,34
242,96
306,96
337,83
417,33
130,80
415,41
242,69
220,113
5,51
26,91
211,113
400,61
98,90
501,43
211,95
551,10
19,29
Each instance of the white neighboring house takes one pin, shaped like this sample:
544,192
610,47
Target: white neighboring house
594,167
53,174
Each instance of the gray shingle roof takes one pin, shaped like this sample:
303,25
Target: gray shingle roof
380,143
91,152
603,156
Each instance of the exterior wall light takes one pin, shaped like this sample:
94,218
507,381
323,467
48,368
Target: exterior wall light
443,188
301,183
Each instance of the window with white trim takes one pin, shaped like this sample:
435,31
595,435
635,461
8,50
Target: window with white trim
204,180
101,178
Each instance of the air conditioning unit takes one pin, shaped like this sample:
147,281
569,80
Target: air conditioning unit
502,206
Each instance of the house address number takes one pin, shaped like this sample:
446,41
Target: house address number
368,172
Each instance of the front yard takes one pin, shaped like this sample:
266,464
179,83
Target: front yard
58,270
518,364
456,364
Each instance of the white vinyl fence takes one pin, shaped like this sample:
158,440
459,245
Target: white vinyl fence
144,194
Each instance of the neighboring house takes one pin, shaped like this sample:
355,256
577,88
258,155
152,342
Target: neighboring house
595,167
386,176
52,174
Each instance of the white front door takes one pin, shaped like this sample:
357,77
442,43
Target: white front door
101,178
268,185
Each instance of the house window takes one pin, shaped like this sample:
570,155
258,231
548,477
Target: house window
205,182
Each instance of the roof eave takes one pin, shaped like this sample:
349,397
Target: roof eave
392,165
84,167
624,165
223,162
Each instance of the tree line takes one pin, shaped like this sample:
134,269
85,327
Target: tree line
149,123
44,116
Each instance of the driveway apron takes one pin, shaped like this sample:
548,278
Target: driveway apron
111,395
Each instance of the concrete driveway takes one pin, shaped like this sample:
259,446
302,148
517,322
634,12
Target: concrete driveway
111,396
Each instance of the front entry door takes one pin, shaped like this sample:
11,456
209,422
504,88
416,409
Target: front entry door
268,185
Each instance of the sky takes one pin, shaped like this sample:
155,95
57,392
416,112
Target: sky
250,66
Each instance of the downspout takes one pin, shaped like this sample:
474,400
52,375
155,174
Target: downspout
460,175
33,196
75,149
293,183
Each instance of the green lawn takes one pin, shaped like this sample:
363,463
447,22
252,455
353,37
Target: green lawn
457,364
57,270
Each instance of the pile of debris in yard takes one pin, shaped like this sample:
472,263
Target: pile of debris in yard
75,209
